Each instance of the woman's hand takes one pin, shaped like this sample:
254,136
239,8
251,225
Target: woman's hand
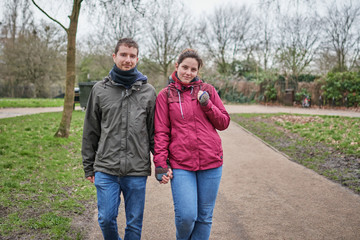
166,178
203,97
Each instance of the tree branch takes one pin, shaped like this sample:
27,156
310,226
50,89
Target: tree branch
66,30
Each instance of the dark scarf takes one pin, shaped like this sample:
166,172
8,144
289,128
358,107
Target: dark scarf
126,78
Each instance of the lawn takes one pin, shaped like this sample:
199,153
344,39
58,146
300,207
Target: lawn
31,102
43,193
330,145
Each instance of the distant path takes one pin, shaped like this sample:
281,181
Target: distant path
284,109
13,112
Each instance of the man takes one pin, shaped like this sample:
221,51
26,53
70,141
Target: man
117,140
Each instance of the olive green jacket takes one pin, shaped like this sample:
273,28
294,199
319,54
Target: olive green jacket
118,130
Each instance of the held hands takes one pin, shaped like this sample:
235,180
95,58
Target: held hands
163,175
203,98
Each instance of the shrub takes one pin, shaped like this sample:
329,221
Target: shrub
342,88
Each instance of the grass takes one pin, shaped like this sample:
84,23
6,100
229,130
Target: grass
330,145
31,102
42,185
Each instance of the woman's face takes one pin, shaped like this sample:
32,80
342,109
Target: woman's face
187,69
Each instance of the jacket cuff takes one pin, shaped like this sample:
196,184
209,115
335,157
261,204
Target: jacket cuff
207,107
89,174
162,164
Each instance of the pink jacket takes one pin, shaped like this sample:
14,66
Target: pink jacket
185,131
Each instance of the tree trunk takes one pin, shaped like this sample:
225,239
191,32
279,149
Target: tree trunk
64,127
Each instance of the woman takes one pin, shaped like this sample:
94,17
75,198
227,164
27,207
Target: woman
188,147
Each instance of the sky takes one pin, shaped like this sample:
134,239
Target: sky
207,6
198,7
61,9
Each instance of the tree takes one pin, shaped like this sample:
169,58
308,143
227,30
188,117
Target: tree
264,40
71,31
342,36
299,42
168,24
113,22
17,18
224,34
33,64
31,59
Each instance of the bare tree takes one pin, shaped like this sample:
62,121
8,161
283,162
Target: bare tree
225,33
17,18
31,61
71,31
299,42
115,21
264,39
342,30
167,25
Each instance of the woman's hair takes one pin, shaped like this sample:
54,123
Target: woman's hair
190,53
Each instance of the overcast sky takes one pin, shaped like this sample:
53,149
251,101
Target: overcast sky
207,6
60,9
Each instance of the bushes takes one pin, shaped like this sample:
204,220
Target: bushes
336,89
342,89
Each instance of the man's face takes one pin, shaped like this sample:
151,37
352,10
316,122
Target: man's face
126,58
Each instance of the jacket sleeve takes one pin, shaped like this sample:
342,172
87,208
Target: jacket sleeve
162,130
91,134
216,111
150,121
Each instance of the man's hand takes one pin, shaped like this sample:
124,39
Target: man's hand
91,179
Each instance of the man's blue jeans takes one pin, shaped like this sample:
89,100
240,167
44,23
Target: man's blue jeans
194,195
109,188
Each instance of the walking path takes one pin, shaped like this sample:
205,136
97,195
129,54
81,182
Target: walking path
13,112
262,195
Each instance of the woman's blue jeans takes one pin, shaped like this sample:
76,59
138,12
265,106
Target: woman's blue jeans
194,195
109,188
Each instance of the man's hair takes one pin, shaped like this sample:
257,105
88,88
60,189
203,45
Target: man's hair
190,53
128,42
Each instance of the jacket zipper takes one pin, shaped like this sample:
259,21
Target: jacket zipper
127,127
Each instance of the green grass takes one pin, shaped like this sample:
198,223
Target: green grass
31,102
42,185
326,144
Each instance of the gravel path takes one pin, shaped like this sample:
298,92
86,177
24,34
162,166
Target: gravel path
13,112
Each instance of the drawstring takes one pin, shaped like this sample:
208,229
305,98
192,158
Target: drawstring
182,114
192,88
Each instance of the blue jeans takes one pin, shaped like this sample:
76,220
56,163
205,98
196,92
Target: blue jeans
109,188
194,195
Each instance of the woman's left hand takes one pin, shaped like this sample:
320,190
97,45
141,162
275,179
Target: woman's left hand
203,97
